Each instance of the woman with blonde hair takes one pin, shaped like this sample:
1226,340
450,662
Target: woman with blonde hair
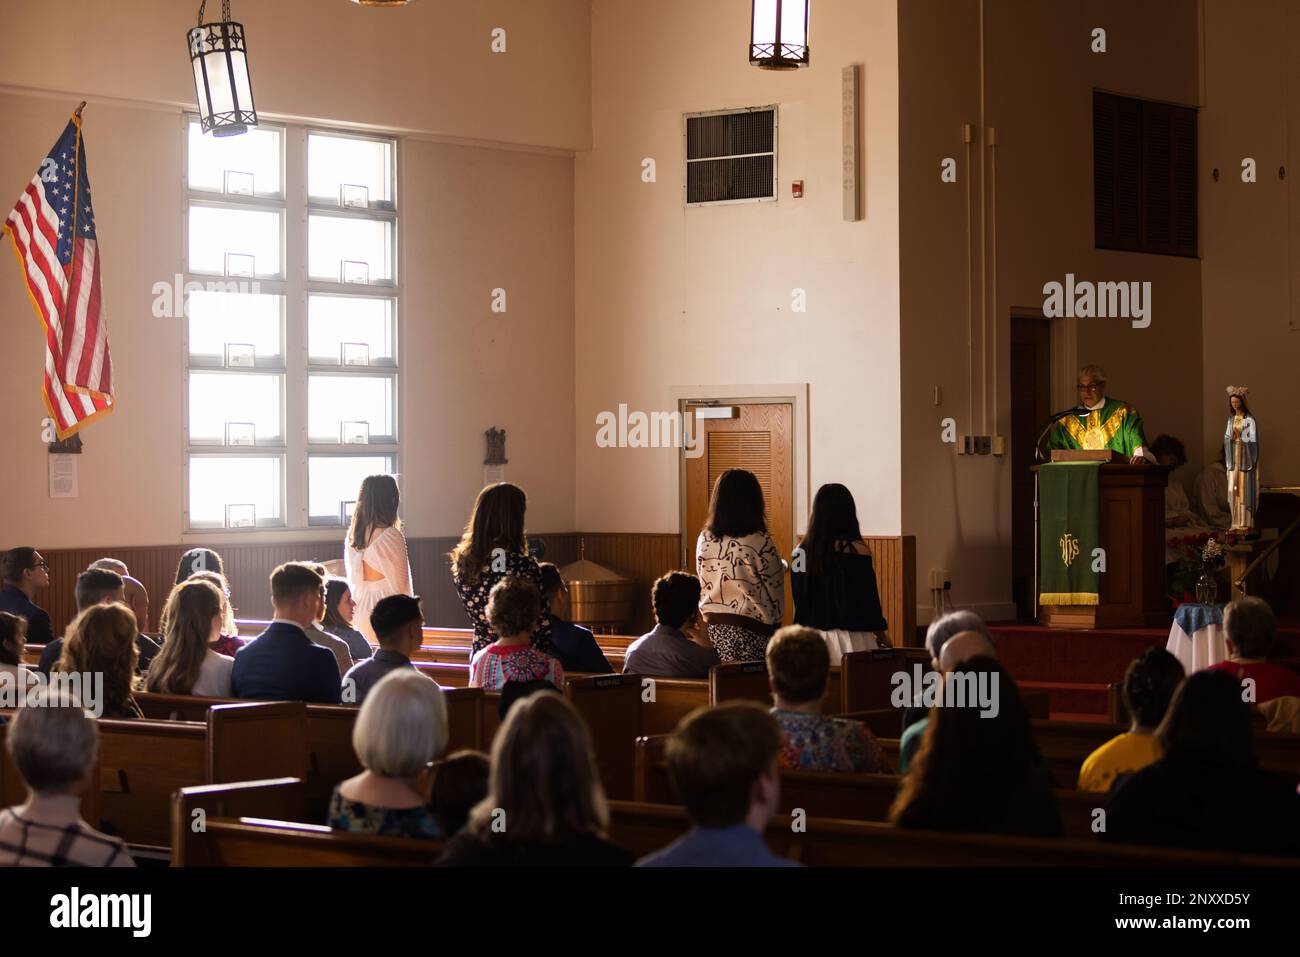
101,640
374,553
401,728
545,805
494,547
192,621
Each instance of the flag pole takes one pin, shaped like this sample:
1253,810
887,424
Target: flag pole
77,113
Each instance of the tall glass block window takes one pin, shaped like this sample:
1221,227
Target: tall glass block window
290,301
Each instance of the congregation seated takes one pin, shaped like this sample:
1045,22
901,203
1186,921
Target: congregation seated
545,805
13,641
798,667
833,581
23,571
679,645
228,642
1207,791
99,586
282,663
723,762
397,622
1149,685
401,728
137,596
100,647
319,636
54,744
574,645
1251,631
187,664
339,611
459,784
978,769
513,607
915,719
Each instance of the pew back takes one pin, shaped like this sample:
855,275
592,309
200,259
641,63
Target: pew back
644,828
611,707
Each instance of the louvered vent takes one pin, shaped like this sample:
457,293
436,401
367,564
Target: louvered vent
731,157
1144,175
743,450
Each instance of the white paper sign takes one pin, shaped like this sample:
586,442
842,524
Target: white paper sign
63,476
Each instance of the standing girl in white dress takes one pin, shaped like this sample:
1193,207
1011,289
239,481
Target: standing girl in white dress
374,553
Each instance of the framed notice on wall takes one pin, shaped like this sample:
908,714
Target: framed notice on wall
63,476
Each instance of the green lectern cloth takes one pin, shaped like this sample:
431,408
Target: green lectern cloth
1068,531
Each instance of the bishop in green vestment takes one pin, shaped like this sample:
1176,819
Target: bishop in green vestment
1109,424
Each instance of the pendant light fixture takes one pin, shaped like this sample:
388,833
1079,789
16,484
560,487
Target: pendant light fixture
219,57
778,34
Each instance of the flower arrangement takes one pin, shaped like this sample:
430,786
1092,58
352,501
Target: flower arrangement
1200,557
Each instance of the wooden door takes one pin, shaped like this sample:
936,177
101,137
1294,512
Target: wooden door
759,438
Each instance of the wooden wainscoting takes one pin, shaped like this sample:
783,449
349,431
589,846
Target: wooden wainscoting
894,558
642,557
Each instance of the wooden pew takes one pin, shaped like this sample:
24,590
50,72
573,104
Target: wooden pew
142,762
330,756
1066,744
447,675
261,824
32,654
611,706
257,842
748,681
452,645
868,682
644,828
248,840
665,701
854,797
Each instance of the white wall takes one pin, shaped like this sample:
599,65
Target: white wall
473,218
669,296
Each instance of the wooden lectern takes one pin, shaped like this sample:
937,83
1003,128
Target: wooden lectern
1131,513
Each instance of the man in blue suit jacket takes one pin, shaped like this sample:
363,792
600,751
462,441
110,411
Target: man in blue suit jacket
574,645
282,663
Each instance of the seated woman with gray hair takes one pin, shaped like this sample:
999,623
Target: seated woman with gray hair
53,743
401,728
937,636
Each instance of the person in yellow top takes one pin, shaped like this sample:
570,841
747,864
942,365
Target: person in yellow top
1149,686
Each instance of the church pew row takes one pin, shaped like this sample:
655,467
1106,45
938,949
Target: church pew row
852,797
1064,745
233,826
141,762
330,757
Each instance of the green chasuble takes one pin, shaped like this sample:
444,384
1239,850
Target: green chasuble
1116,425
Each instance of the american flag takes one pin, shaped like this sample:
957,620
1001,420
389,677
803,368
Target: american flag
52,228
